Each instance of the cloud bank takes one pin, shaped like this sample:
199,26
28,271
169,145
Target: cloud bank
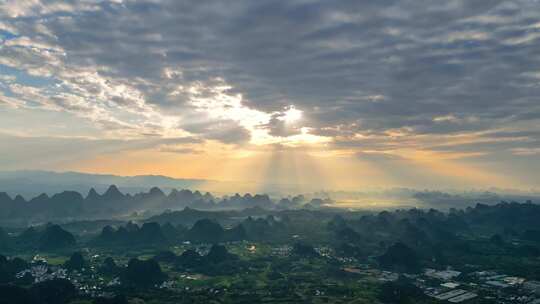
459,79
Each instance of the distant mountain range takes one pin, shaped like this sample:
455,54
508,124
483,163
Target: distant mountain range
33,183
71,205
30,183
41,196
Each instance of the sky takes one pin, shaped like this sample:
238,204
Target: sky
326,94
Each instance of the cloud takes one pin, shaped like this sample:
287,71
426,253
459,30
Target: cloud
26,152
378,156
380,75
179,149
230,134
285,123
226,131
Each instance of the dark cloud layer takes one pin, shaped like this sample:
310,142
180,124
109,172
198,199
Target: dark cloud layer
423,67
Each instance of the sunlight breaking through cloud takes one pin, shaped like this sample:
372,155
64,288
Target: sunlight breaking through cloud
458,80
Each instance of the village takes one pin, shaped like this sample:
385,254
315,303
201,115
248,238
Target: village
445,286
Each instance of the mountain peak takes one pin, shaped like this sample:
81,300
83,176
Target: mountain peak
92,194
174,193
113,193
4,197
156,191
43,196
113,188
68,196
40,198
19,199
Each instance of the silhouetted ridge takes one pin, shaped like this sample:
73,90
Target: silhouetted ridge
43,197
19,200
189,259
75,262
143,274
5,198
112,193
93,195
155,191
72,205
54,237
237,233
148,235
206,231
28,238
219,254
218,261
151,233
67,196
173,233
400,257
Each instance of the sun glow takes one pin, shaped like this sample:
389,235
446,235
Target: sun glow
292,115
215,102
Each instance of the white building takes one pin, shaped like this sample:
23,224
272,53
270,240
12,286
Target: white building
444,275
